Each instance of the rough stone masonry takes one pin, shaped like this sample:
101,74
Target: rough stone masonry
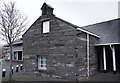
64,47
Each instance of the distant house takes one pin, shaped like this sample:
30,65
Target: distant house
17,49
53,47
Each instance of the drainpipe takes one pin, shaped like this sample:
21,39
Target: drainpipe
111,46
88,58
113,55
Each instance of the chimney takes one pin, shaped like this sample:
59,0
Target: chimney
47,9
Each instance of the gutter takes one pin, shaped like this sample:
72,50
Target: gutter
107,44
88,57
88,32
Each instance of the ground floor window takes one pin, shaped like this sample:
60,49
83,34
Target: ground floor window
17,55
42,63
20,55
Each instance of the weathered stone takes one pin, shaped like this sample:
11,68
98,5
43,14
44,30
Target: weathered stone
44,75
69,65
55,76
64,47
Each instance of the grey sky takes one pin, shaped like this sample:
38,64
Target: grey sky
78,12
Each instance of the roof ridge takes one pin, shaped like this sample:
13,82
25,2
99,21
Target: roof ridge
47,5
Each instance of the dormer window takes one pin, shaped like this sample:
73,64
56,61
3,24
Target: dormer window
46,27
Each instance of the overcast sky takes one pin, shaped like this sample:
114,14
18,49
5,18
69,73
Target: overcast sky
78,12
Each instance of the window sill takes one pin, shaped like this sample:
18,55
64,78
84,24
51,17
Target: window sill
46,33
42,69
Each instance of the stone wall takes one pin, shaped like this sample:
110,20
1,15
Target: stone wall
81,53
64,48
93,55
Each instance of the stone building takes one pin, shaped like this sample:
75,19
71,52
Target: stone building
17,50
53,47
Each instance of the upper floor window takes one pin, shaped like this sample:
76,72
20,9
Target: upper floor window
46,27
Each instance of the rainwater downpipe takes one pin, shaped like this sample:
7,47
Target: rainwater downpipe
111,46
113,55
88,58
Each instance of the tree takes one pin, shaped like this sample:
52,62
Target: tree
12,26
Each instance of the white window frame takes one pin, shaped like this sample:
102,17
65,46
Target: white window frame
46,26
42,63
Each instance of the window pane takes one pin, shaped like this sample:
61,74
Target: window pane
42,63
44,59
44,66
39,60
46,27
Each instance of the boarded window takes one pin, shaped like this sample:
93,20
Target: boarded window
42,63
46,27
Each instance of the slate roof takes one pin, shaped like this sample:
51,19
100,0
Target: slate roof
109,31
20,41
17,42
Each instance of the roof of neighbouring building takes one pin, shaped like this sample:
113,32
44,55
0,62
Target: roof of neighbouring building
19,41
109,31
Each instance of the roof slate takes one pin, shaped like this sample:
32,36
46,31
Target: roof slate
109,31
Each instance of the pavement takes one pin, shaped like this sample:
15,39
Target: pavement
29,76
100,76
